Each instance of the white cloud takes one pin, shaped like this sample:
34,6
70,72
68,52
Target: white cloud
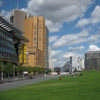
60,61
53,38
93,38
96,15
57,12
23,9
55,53
93,48
53,27
55,57
68,54
5,14
79,48
95,18
71,39
83,22
75,39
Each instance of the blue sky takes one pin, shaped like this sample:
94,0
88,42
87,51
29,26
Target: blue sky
74,25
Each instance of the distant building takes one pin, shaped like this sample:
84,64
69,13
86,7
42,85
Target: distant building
74,63
51,63
66,67
92,60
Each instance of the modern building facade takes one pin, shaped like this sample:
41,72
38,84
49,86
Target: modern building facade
17,19
37,47
92,60
10,41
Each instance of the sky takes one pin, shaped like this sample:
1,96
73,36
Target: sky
74,25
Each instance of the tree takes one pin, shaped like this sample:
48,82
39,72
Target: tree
19,70
42,70
48,71
29,69
34,70
8,69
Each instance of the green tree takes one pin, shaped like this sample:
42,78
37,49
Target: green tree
42,70
29,69
8,69
19,70
47,71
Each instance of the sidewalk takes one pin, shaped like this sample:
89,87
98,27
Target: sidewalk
15,84
11,79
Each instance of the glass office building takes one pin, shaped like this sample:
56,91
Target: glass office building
10,41
7,48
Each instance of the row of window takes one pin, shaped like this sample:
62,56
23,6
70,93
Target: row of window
5,36
13,58
5,54
6,43
7,50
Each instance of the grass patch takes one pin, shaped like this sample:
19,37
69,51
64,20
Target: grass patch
85,87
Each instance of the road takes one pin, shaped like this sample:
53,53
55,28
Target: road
15,84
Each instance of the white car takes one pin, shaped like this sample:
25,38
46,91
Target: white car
64,73
54,73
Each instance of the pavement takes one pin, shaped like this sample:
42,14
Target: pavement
20,83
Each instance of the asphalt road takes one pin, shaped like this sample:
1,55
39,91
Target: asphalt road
15,84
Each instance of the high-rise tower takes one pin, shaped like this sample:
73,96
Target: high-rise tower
37,47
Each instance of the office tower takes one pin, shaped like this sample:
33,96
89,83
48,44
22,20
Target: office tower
92,60
37,47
